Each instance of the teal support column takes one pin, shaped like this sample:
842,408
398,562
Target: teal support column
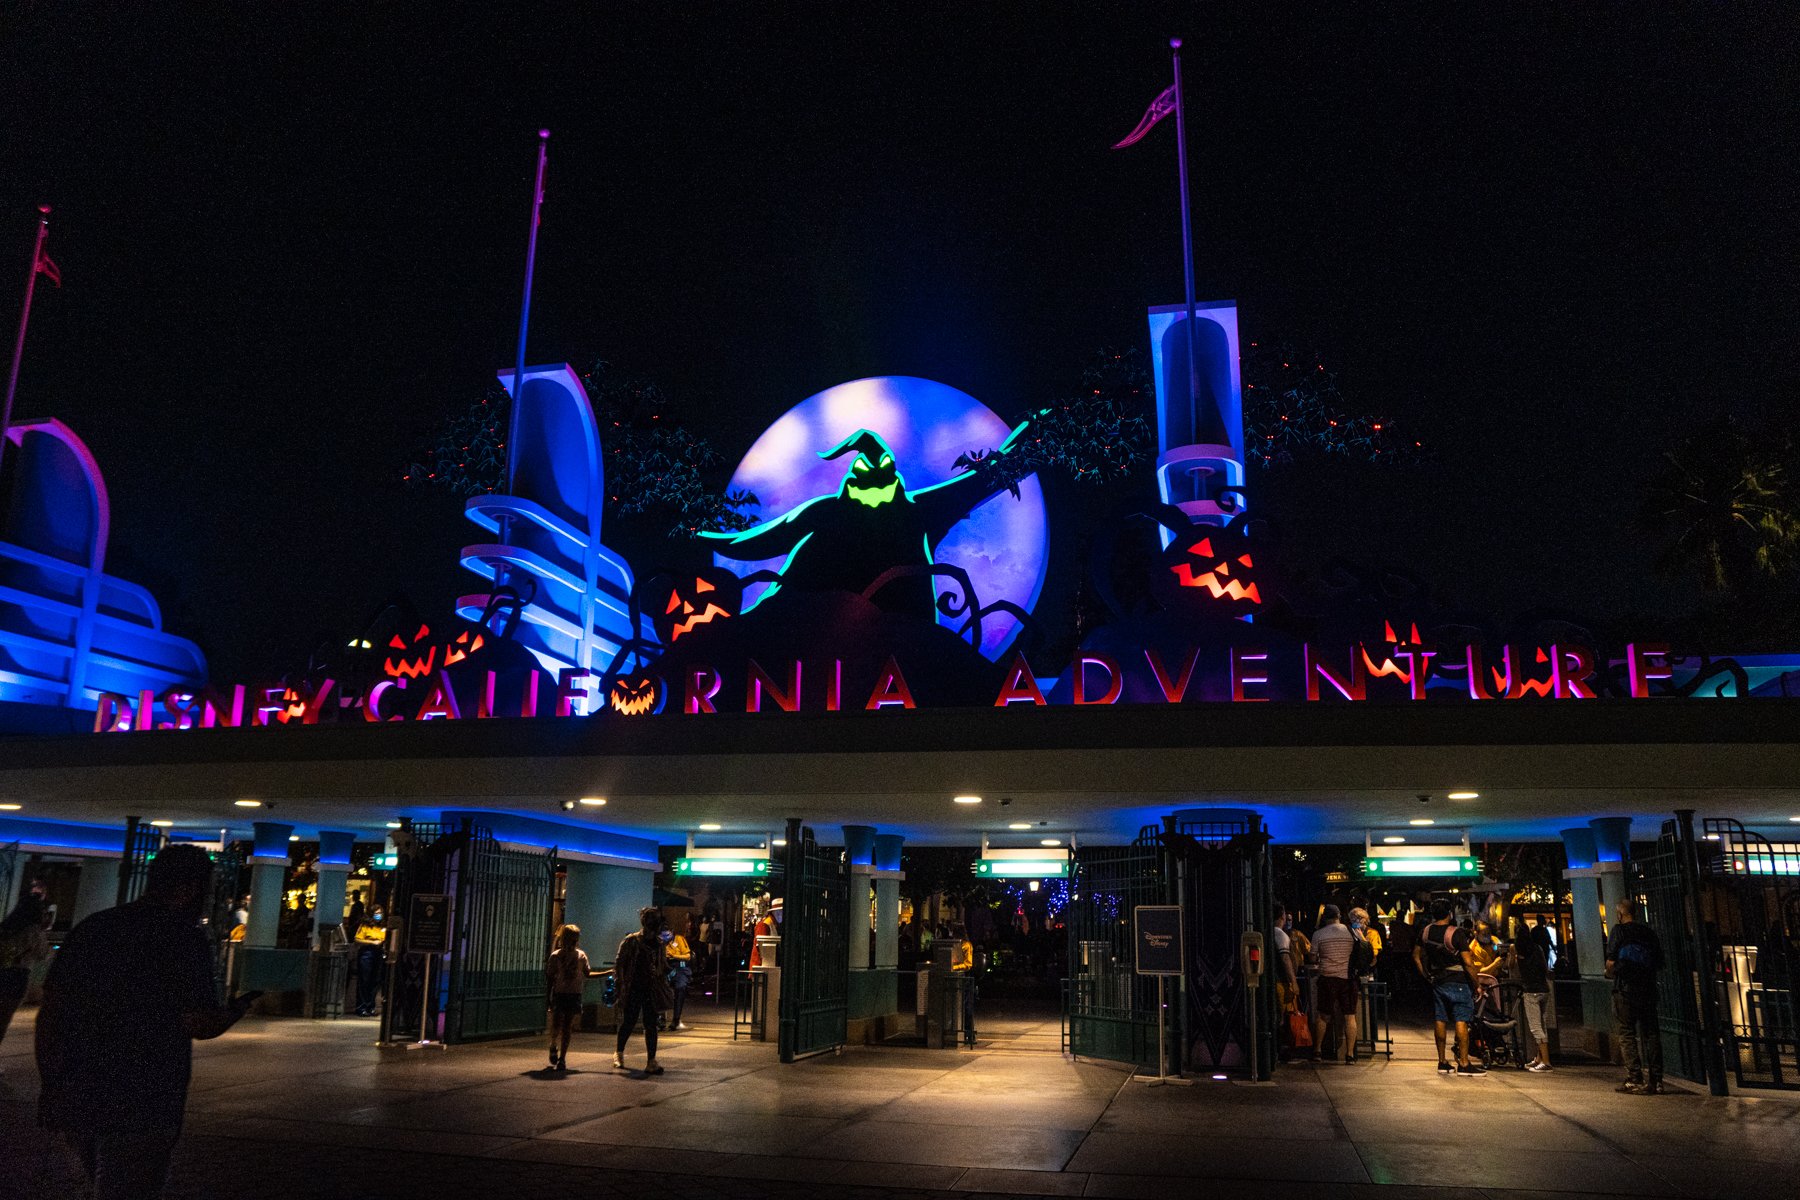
268,877
97,889
859,852
887,900
334,875
1612,846
1583,877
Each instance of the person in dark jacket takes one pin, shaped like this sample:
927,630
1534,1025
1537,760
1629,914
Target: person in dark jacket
1633,957
128,993
640,977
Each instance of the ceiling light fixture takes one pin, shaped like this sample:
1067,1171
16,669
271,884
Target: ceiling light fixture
1051,842
393,824
9,807
778,842
967,799
248,803
594,801
1421,821
163,824
1393,841
1027,824
1465,795
711,827
293,837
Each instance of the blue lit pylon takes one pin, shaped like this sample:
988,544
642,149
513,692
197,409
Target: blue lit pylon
1199,424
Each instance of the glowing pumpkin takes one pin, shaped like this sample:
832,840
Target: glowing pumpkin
420,655
1224,576
680,604
635,695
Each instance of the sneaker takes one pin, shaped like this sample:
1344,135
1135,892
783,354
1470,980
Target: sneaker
1350,1061
1651,1089
618,1062
1444,1067
1535,1065
1631,1087
653,1068
683,1027
1471,1070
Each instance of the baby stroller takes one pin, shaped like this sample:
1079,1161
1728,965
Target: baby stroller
1493,1034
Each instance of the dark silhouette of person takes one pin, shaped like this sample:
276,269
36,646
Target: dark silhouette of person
847,540
127,994
23,945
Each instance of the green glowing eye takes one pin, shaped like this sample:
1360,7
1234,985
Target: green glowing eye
887,460
862,466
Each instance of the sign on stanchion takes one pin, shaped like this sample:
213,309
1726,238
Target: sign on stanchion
1160,951
427,933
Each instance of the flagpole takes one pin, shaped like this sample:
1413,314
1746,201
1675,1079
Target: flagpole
518,387
1187,232
12,379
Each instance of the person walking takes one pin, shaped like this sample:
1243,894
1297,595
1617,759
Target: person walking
681,973
1633,957
1332,944
127,995
640,974
962,965
568,972
369,937
1533,970
23,945
1442,957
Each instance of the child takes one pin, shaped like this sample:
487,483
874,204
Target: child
568,972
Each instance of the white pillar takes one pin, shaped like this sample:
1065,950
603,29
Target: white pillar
97,889
887,923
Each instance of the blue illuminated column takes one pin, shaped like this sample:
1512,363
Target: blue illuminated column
334,875
859,853
1612,850
1199,438
887,900
268,879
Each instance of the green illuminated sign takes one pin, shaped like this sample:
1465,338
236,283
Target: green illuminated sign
721,866
386,862
1381,868
1022,868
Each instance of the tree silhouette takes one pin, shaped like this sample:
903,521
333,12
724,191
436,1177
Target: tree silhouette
1725,501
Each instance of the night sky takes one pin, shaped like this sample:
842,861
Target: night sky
1552,238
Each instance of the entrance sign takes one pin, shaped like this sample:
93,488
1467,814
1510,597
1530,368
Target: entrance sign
1160,950
722,866
428,924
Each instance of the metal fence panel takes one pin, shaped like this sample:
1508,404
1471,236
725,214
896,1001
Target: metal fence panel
503,896
815,948
1111,1011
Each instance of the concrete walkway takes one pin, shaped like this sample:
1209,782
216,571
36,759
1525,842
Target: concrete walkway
311,1109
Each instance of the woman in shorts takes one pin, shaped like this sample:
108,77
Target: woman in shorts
568,973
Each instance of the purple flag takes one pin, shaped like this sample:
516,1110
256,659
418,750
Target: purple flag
1159,108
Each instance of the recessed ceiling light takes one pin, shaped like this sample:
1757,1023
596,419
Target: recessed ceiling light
1027,824
17,807
1421,821
1393,841
248,803
711,827
1465,795
1051,842
1794,819
163,824
293,837
779,842
594,801
393,824
967,799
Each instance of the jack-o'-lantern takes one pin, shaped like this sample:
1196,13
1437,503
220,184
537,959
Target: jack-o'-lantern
1211,561
635,695
421,654
680,604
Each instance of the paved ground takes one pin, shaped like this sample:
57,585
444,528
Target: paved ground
311,1110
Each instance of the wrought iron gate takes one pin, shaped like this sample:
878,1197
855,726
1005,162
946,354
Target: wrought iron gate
425,855
1218,859
142,843
1750,898
227,864
9,869
815,947
502,916
1109,1009
1659,880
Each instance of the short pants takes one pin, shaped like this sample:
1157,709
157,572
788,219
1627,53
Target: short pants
1454,1000
566,1002
1337,997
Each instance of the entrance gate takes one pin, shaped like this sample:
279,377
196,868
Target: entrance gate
815,947
1661,881
502,914
1750,893
142,842
9,866
1214,864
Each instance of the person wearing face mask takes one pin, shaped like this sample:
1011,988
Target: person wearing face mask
127,994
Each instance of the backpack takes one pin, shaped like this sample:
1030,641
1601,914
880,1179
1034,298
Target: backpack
1362,956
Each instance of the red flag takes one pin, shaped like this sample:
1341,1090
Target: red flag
49,269
1159,108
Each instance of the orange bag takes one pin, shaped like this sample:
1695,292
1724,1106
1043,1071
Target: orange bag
1299,1031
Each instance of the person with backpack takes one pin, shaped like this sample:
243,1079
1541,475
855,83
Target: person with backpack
1633,957
1442,957
641,969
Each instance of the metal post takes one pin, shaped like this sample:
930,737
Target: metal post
1187,233
518,388
12,379
1712,1047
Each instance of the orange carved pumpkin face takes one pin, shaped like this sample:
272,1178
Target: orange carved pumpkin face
421,654
635,695
680,604
1224,576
